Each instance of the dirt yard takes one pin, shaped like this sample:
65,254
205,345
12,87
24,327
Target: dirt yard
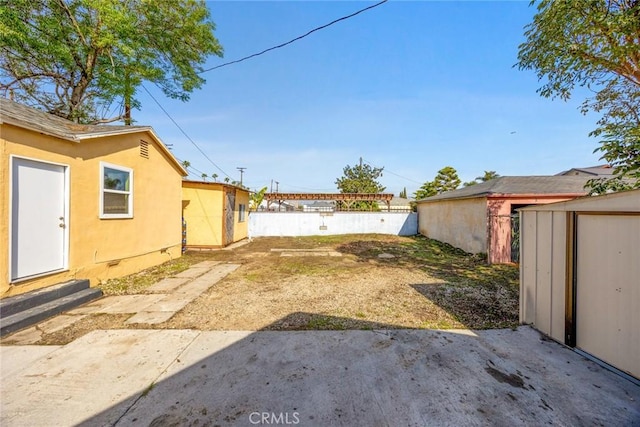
333,282
376,282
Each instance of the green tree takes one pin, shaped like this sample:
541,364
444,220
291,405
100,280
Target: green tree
77,58
594,44
215,177
446,180
256,198
361,178
204,176
488,175
403,193
428,189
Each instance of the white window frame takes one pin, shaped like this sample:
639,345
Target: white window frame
103,215
242,212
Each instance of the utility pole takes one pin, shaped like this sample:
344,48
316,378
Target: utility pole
241,172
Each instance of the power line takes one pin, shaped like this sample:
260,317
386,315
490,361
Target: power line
399,176
184,133
295,39
244,59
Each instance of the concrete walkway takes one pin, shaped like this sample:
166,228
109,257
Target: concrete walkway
159,377
157,305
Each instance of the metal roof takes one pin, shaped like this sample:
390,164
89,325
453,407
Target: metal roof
518,185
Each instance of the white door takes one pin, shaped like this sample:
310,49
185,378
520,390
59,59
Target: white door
608,289
38,218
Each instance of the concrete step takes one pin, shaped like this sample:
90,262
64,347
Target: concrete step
12,305
34,309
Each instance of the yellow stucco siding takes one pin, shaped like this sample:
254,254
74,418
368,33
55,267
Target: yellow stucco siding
100,249
461,223
241,229
204,212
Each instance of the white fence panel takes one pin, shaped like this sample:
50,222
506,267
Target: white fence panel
263,224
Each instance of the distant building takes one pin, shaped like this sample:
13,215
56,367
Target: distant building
319,206
592,171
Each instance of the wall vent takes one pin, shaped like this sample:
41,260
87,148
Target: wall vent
144,149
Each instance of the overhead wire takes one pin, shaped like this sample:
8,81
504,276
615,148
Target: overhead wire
392,173
184,133
294,39
244,59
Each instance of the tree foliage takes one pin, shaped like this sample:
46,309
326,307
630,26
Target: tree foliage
361,178
595,44
446,180
77,58
488,175
256,198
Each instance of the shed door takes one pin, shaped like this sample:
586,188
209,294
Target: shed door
38,218
608,289
229,206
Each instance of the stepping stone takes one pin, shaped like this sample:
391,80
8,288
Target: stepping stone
150,317
167,285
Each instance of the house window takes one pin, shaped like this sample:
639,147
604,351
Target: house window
242,213
116,191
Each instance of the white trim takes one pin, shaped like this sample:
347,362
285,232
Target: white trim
65,248
101,213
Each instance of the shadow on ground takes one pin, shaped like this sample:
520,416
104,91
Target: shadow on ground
315,378
478,295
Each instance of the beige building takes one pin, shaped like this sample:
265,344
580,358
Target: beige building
479,218
82,201
580,275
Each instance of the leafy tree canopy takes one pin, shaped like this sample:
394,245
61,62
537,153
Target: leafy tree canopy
595,44
256,198
361,178
446,180
488,175
77,58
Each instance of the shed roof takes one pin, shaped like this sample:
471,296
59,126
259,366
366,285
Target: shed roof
518,185
36,120
215,184
623,201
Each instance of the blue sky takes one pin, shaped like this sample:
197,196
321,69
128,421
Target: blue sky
411,86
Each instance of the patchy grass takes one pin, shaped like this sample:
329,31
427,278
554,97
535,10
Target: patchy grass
138,282
426,284
478,295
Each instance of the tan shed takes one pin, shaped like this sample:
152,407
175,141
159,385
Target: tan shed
580,275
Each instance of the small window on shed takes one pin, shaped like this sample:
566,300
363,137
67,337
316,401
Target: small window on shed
144,149
242,212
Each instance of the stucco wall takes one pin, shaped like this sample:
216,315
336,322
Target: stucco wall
325,223
241,229
203,210
461,223
100,249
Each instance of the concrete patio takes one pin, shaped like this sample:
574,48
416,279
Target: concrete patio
314,378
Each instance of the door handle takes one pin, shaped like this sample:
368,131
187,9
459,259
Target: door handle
62,224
